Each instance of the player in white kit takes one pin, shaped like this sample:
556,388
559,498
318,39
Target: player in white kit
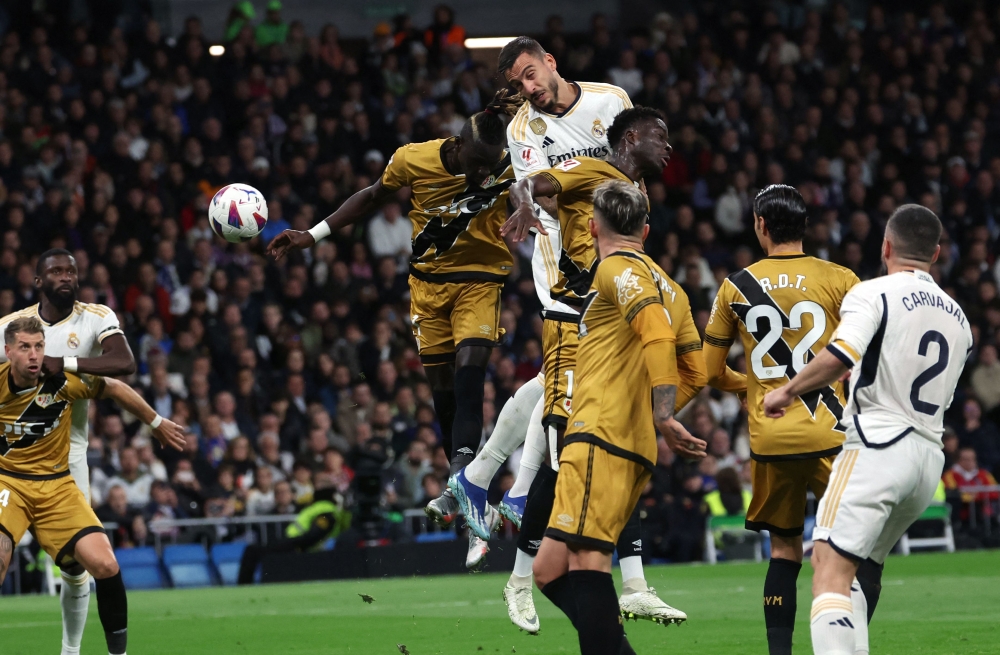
560,120
81,338
906,343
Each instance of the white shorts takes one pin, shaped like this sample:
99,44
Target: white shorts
875,495
80,471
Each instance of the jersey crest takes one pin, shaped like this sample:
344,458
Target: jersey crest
628,286
598,130
538,126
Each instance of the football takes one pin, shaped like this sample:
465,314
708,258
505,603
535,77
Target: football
237,213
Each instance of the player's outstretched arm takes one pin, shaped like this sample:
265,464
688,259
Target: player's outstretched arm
522,197
823,370
358,206
168,433
115,360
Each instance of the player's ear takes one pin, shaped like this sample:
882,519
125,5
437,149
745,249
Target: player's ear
937,251
645,232
550,62
887,249
593,227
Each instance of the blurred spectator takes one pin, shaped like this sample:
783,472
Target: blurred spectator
132,479
130,530
966,473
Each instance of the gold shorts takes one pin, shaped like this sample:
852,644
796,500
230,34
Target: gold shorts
560,340
55,509
449,315
596,493
779,493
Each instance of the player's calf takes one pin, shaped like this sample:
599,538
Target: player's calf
94,554
832,621
6,552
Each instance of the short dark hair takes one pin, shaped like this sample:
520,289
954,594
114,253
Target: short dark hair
627,119
25,324
784,212
514,49
49,254
914,232
485,127
622,206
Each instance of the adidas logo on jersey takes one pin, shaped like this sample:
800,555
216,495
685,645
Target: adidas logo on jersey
547,141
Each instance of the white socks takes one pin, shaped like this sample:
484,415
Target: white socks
75,600
508,434
833,625
519,580
633,579
534,450
522,566
860,604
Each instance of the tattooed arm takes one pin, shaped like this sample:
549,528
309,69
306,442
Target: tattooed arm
6,551
678,438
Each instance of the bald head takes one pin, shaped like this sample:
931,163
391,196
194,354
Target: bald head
914,232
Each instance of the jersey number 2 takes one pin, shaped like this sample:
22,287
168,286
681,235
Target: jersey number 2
802,348
934,370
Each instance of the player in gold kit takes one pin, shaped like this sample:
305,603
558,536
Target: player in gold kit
784,308
627,352
36,489
457,270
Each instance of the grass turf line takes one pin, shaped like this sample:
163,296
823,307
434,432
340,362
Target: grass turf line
934,603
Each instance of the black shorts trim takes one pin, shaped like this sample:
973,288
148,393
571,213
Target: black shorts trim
476,341
829,452
836,352
757,526
458,276
560,317
554,421
617,451
579,540
29,476
857,559
437,359
66,552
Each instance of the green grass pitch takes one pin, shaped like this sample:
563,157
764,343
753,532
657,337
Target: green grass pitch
934,603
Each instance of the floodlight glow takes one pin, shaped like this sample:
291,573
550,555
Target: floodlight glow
488,42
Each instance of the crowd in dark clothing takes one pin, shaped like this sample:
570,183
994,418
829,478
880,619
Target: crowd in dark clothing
115,135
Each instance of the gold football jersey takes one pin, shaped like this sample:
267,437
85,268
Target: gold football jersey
456,229
36,423
612,404
575,181
784,308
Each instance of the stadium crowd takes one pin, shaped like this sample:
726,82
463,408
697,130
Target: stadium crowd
115,136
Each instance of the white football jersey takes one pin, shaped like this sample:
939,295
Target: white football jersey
78,335
538,140
907,343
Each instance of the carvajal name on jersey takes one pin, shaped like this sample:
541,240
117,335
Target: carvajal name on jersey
925,299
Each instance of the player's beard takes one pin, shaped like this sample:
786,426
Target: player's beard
553,90
61,301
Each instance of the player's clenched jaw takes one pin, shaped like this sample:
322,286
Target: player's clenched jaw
58,280
25,352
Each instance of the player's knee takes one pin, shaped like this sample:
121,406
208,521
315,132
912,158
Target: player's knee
104,567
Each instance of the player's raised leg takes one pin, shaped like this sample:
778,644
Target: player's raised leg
639,600
532,458
470,485
94,554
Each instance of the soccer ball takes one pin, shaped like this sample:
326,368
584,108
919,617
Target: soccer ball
237,213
